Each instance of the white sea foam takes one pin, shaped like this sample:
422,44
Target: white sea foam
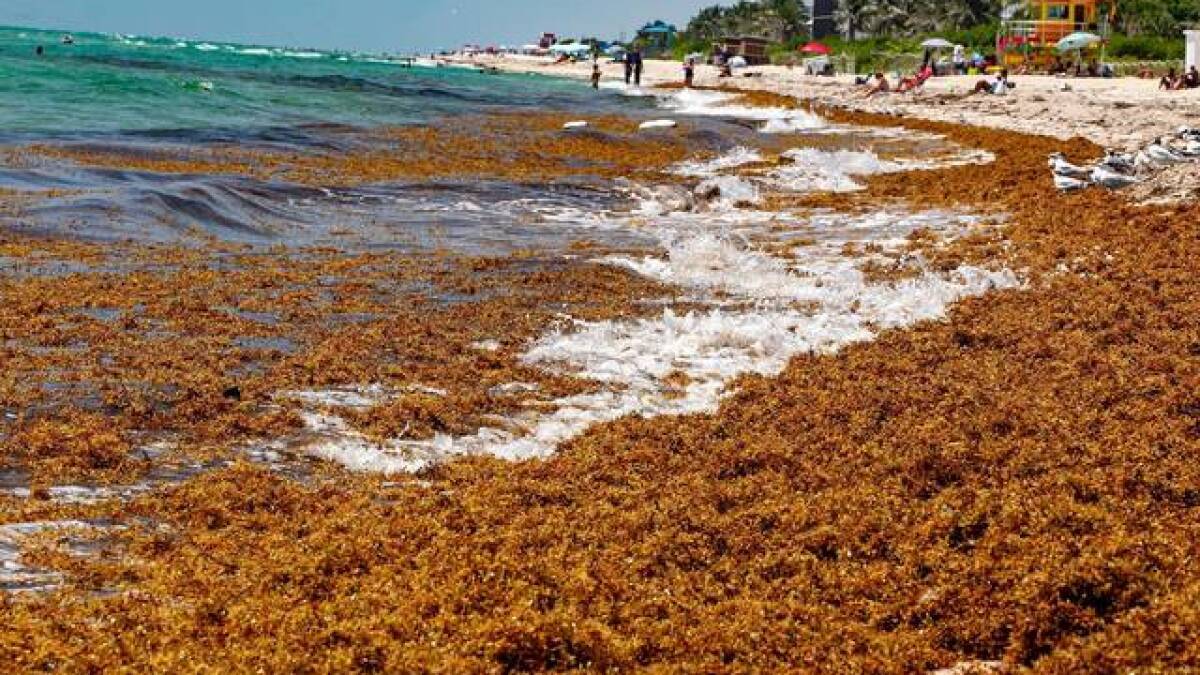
720,104
763,310
814,170
731,192
255,51
739,156
797,122
206,47
775,309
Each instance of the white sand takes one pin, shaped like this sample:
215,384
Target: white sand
1121,113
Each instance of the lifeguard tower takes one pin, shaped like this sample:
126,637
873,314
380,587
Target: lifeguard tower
1031,38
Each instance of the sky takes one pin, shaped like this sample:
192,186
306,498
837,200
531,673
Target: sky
365,25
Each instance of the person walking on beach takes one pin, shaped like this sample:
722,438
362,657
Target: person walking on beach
595,74
689,72
637,67
628,59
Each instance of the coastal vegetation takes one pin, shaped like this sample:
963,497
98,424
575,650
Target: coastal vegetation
1143,30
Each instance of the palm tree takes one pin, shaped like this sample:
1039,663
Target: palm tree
1146,17
792,15
708,24
854,14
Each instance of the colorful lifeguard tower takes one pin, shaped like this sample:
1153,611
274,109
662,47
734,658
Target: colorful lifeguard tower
1033,37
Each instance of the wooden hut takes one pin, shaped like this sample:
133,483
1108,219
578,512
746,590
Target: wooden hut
753,49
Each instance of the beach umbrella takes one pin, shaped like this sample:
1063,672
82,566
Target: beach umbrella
937,43
572,49
1077,41
815,48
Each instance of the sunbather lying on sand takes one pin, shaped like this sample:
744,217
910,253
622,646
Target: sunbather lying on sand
916,81
1169,81
881,86
998,86
1191,80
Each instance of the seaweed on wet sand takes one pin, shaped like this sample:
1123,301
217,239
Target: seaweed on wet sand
1018,483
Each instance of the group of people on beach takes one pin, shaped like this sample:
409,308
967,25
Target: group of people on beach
635,63
1091,69
879,84
1171,81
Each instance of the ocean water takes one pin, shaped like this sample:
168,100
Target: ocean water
113,85
139,96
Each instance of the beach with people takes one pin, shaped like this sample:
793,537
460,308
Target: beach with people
601,358
1098,109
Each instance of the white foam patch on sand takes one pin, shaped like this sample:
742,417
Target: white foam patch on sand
739,156
732,192
702,102
772,310
816,170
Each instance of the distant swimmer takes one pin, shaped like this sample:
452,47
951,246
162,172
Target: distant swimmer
68,39
40,50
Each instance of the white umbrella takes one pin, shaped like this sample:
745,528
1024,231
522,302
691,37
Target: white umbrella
1077,41
574,48
937,43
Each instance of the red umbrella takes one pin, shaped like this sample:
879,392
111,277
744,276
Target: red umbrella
815,48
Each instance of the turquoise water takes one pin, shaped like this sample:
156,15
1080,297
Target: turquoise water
136,95
112,84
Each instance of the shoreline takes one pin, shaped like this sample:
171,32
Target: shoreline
1118,113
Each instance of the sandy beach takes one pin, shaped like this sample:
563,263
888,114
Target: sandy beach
1120,113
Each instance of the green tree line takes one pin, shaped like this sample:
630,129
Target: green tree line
905,18
1143,29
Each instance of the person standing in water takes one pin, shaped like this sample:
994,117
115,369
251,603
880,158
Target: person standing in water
595,74
627,57
689,72
637,67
